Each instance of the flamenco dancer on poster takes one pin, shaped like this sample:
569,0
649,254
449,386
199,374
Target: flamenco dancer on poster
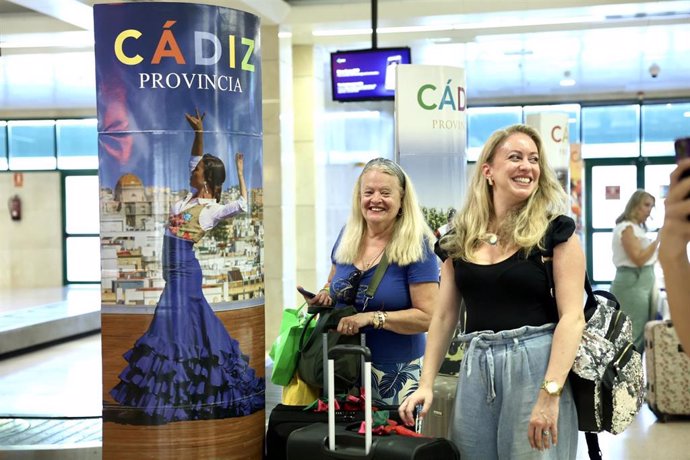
186,366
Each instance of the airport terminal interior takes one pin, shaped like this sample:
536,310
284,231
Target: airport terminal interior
618,70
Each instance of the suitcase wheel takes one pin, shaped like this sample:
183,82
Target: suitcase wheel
662,418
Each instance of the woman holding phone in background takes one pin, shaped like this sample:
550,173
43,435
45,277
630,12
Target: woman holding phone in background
634,256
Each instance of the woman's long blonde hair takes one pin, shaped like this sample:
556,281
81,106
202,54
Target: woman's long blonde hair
526,225
410,230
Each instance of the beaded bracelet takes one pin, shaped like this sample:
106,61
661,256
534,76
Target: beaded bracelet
380,319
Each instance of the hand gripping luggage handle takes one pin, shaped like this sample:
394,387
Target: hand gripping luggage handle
366,372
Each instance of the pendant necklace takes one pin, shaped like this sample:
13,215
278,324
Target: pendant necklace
367,265
491,238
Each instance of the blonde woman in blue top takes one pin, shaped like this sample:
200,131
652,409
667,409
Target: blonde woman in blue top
386,217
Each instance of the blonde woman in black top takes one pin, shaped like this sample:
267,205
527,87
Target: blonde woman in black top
513,399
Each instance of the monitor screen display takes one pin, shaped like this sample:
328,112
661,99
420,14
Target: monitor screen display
366,75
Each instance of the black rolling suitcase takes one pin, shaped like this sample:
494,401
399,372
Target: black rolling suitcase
334,440
284,419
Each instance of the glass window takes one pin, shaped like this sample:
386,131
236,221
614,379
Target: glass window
31,144
81,205
77,144
3,146
603,269
358,135
612,186
611,131
656,182
83,259
661,125
483,121
573,111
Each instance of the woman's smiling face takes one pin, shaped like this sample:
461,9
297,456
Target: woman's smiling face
380,197
514,169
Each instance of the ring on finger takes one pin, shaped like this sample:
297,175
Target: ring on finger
546,433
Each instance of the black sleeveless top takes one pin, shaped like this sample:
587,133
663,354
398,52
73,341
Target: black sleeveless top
511,293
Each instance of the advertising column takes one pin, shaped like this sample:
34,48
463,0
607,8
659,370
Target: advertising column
553,128
180,169
431,136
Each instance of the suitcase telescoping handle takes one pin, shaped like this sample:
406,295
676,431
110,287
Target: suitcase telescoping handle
339,350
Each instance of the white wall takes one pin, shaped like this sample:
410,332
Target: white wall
31,249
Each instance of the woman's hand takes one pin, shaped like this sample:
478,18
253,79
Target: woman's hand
196,121
321,299
421,396
675,233
350,325
543,423
239,162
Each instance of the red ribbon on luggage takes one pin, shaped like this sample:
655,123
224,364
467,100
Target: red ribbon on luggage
388,428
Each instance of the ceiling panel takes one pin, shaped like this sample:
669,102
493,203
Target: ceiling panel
511,52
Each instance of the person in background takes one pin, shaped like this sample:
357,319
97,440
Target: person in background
445,228
385,217
634,255
673,255
513,398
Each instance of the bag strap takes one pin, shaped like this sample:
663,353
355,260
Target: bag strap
593,446
592,439
376,279
371,290
547,260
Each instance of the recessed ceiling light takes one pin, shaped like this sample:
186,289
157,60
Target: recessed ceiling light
567,79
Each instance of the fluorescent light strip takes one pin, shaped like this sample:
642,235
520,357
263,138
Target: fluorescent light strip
495,24
76,39
359,114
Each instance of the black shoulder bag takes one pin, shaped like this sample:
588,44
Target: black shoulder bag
311,353
606,377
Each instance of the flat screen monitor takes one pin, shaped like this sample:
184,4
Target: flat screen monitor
366,75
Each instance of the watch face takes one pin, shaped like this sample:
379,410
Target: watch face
552,387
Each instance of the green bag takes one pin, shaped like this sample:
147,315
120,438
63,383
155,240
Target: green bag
285,350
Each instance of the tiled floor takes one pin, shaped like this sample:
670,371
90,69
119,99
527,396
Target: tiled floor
65,379
62,383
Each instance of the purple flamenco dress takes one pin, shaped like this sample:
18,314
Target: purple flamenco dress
186,366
